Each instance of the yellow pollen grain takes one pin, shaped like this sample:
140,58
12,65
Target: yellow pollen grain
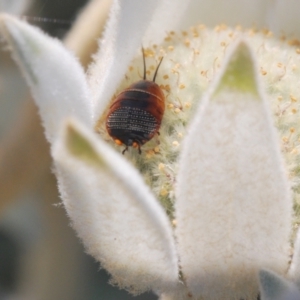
170,48
170,105
279,65
184,33
179,134
131,68
163,192
294,110
292,130
149,153
167,87
168,39
279,98
165,76
263,72
175,143
231,34
187,43
187,104
181,86
265,31
285,139
161,166
177,110
217,28
174,222
148,53
298,50
294,42
194,31
204,73
294,151
172,32
223,26
294,67
283,37
223,44
156,149
152,67
293,98
251,32
154,46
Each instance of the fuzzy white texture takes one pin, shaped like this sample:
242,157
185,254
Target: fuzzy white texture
280,16
15,7
118,42
233,206
244,181
274,287
283,17
294,270
56,78
176,9
119,220
231,12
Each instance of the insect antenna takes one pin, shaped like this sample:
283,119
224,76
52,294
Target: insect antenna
157,69
144,61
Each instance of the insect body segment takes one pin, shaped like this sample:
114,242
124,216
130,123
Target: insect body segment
136,113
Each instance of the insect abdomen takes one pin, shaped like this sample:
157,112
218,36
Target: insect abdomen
136,114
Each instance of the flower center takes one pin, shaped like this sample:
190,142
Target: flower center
191,59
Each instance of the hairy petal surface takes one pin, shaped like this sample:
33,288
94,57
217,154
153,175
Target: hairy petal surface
120,222
294,271
15,7
274,287
169,15
233,205
126,26
54,75
230,12
283,17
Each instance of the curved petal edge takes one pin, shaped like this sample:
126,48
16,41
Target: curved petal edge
234,205
121,224
56,79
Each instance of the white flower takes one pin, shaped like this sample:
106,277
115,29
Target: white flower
231,199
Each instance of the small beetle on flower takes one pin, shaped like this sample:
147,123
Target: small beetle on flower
224,182
135,115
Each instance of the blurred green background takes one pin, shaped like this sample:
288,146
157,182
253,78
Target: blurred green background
40,255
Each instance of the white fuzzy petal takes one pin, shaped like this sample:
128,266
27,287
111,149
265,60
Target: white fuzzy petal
120,222
283,17
123,36
169,16
294,271
55,77
274,287
15,7
230,12
233,204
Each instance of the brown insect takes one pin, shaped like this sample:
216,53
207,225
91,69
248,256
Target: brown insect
136,113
